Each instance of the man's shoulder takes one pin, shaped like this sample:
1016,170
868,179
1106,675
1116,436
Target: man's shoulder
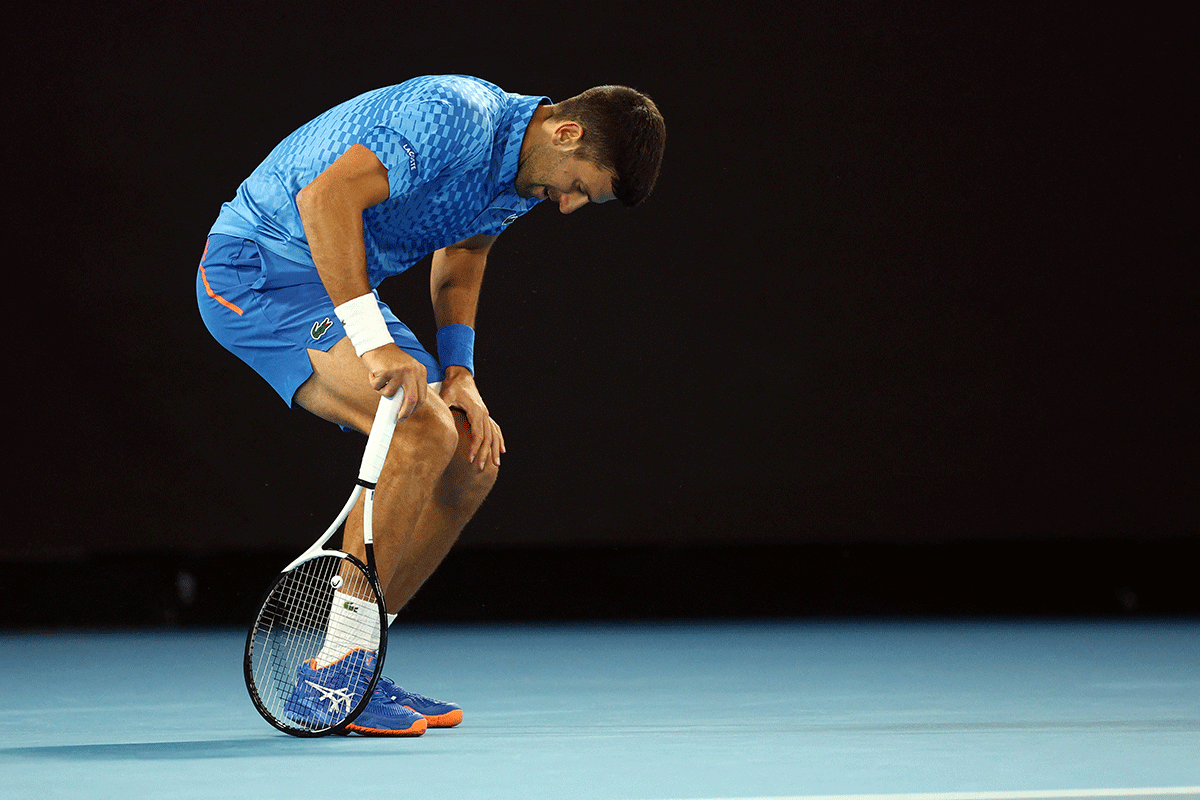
459,90
455,115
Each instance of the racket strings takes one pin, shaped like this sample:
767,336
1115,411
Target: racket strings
304,622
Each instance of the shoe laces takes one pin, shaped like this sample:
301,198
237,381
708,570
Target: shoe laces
380,694
403,693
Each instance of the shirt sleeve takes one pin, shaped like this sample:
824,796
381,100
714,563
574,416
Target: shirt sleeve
430,138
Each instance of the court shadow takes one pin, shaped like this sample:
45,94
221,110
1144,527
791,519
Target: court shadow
258,747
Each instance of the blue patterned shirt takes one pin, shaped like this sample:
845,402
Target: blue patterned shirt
450,144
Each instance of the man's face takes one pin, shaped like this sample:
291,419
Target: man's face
554,174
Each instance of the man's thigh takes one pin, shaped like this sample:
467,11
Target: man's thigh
339,390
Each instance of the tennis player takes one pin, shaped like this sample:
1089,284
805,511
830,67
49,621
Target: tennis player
437,164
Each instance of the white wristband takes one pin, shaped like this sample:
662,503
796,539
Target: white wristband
364,323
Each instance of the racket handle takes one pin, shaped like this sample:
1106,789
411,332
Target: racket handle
380,437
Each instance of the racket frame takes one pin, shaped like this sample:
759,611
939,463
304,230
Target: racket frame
374,457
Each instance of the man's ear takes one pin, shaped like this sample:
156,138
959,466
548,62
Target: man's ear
566,135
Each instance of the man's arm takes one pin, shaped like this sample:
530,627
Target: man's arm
454,283
456,278
331,209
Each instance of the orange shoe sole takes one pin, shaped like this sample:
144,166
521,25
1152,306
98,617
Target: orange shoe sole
442,720
416,729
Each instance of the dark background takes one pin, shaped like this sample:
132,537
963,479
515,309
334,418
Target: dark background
906,327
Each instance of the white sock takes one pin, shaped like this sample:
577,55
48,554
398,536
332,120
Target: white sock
353,625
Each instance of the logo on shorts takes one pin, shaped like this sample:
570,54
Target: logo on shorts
319,329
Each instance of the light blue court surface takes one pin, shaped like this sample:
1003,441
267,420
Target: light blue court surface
633,712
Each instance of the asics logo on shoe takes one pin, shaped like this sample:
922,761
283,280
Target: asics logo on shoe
335,697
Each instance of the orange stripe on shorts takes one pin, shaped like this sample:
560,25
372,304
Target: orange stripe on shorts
207,288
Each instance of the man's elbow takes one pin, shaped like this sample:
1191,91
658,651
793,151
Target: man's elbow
307,201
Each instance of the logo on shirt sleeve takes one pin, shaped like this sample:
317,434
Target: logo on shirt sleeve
412,155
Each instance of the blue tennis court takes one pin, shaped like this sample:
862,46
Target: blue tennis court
687,711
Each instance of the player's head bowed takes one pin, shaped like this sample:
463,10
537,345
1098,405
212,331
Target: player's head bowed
623,132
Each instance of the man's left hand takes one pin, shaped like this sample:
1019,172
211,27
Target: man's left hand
487,442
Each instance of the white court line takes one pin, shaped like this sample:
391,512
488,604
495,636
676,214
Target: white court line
1055,794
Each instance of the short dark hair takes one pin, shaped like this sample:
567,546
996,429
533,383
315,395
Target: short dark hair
623,131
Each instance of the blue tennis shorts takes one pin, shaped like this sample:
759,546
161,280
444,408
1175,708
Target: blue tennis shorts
272,328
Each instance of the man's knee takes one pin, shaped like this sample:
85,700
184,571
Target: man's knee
465,485
428,439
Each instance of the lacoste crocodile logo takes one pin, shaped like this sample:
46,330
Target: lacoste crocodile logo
319,329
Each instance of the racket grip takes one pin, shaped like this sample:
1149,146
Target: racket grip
380,437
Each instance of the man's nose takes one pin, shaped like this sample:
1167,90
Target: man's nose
571,201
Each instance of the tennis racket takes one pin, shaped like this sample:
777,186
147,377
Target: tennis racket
289,687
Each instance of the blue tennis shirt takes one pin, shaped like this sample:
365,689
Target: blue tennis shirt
450,144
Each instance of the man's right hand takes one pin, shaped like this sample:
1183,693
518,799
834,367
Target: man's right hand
390,369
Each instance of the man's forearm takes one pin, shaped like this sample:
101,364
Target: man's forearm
338,252
455,282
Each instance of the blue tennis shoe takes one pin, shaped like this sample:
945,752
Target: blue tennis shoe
385,717
324,696
436,713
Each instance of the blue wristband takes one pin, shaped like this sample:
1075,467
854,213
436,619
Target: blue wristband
456,346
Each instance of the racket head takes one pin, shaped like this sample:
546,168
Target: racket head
289,631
